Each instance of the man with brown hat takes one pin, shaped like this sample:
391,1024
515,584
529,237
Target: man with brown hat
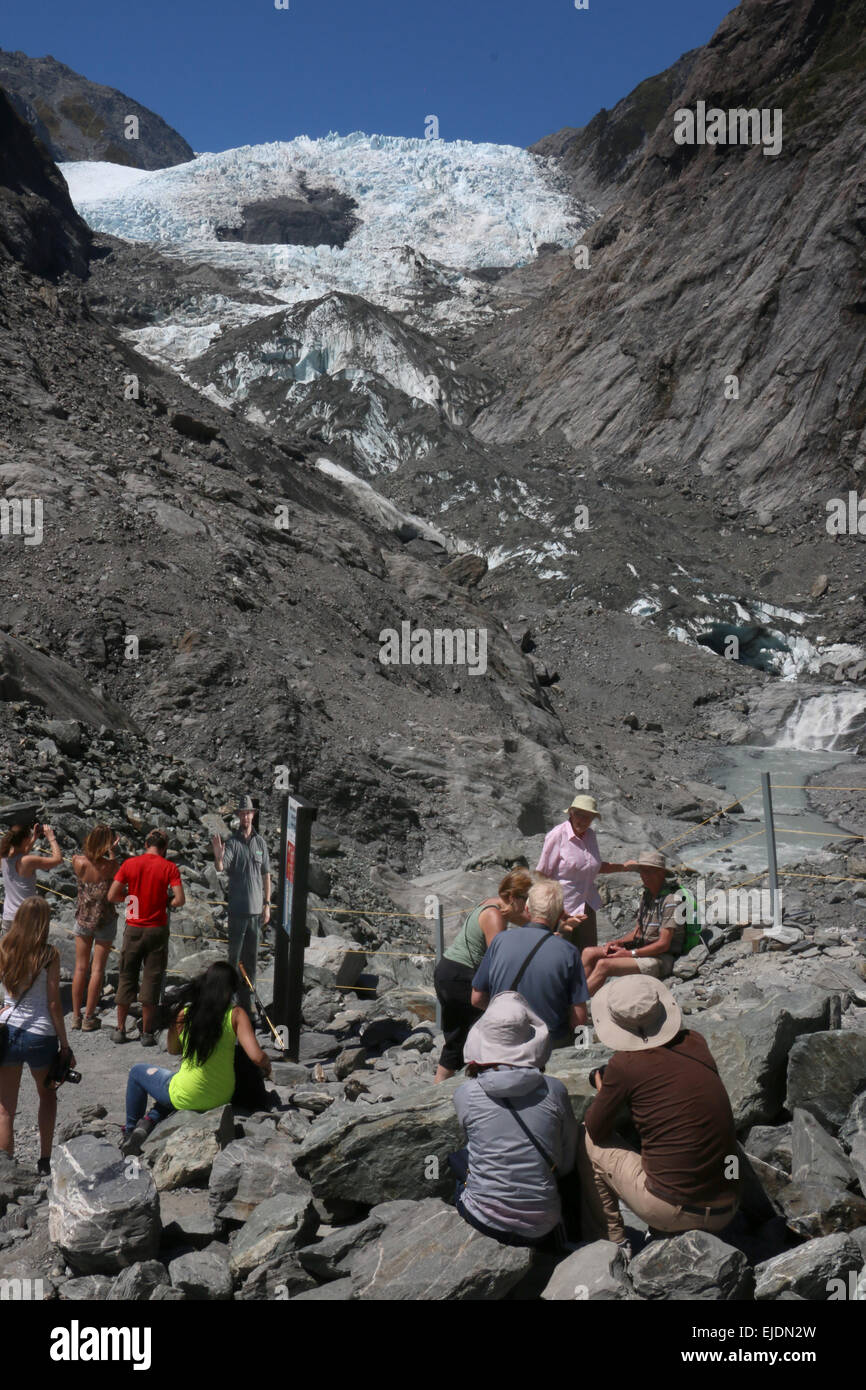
656,939
682,1178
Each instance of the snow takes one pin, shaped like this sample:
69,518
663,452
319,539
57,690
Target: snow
381,509
458,204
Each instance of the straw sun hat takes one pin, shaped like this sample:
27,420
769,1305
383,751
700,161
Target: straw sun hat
634,1013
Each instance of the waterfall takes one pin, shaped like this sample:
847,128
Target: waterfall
828,721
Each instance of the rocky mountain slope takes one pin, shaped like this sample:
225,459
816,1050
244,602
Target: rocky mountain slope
718,262
79,119
39,228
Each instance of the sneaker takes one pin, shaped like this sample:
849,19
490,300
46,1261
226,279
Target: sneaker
118,1035
44,1166
148,1040
132,1141
76,1021
90,1024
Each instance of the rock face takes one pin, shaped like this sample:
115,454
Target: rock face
398,1149
182,1149
431,1254
103,1213
751,1050
825,1073
78,119
695,1266
809,1269
596,1273
38,225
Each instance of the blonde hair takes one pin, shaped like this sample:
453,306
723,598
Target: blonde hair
24,950
515,884
545,902
98,843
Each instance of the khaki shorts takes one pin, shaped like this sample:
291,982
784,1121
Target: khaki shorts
657,966
144,953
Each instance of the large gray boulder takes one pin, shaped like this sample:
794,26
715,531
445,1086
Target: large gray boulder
817,1208
695,1266
771,1144
430,1254
333,962
181,1150
103,1208
396,1149
331,1258
815,1155
202,1274
279,1279
277,1227
751,1049
825,1073
596,1273
248,1171
138,1282
808,1270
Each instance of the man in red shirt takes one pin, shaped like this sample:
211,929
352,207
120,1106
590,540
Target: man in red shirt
145,882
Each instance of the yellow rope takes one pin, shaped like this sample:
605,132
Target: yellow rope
687,833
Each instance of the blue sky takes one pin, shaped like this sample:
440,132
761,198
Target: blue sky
236,72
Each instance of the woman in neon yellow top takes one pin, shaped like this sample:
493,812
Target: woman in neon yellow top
204,1033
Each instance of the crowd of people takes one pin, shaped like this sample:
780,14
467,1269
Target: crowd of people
517,983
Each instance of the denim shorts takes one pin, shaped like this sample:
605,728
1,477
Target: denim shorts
35,1049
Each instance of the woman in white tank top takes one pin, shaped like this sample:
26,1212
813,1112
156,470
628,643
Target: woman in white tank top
18,865
30,973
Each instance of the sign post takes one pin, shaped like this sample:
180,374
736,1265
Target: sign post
291,937
770,834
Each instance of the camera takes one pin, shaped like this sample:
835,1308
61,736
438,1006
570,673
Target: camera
597,1072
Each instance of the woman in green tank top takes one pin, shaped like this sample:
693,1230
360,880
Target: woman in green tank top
204,1033
453,974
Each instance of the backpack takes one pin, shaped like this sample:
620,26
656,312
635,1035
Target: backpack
691,918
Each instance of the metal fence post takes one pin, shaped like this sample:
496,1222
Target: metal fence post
770,833
440,951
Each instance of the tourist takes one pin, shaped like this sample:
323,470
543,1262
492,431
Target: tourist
18,864
204,1032
680,1180
656,939
572,858
521,1133
95,922
244,857
452,977
30,973
542,965
148,879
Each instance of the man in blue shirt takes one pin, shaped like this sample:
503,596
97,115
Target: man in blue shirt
540,965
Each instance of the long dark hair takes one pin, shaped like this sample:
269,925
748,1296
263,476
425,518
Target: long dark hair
207,998
15,836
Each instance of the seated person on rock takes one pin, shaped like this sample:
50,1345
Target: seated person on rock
666,1075
656,939
538,962
520,1128
204,1033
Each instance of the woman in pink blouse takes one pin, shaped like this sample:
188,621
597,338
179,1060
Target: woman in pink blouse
572,858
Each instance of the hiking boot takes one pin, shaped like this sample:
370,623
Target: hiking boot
76,1021
90,1024
148,1040
118,1035
132,1142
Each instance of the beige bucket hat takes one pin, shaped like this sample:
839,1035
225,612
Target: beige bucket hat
584,803
634,1013
508,1033
651,859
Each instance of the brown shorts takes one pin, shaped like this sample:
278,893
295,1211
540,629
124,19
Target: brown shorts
144,952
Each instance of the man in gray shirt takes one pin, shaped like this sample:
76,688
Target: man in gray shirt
244,858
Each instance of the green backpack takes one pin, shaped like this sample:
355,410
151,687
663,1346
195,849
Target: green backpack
693,924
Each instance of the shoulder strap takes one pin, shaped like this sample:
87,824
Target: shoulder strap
531,1137
521,972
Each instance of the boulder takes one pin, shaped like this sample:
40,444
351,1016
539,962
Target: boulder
395,1149
808,1270
15,1180
279,1279
87,1288
695,1266
597,1273
333,962
825,1073
138,1282
816,1157
820,1208
187,1218
249,1171
771,1144
340,1291
181,1150
202,1274
430,1254
103,1210
751,1049
331,1258
278,1226
853,1134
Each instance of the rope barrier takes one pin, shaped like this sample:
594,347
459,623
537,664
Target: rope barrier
724,809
